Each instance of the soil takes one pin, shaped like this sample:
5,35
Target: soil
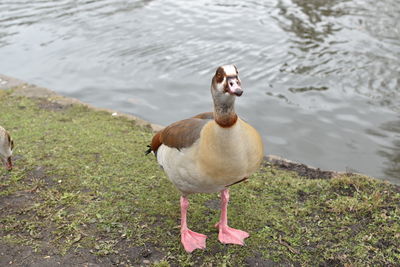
26,256
21,255
52,106
301,169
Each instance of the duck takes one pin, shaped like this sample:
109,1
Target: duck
208,153
6,148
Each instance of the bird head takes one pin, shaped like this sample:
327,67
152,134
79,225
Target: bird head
226,82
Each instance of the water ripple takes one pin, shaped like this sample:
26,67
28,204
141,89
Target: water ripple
311,69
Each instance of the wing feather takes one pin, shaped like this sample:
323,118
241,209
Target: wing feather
180,134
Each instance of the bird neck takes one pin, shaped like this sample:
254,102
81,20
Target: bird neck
224,110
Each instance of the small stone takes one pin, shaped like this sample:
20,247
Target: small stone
146,261
145,253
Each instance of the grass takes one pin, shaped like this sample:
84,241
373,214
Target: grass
82,186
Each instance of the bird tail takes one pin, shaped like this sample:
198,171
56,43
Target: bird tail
148,151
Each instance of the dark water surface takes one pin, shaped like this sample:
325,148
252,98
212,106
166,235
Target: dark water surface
321,77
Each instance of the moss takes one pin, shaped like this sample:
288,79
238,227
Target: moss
82,181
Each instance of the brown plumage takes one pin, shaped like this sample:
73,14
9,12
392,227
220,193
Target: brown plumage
180,134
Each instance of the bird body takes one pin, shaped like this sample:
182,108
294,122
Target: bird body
218,158
209,152
6,148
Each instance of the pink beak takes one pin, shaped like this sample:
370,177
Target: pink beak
233,85
9,164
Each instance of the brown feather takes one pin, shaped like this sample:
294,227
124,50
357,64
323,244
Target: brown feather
10,141
205,116
180,134
155,143
183,133
8,138
227,120
244,179
219,75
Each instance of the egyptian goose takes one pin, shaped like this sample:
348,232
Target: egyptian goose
209,152
6,148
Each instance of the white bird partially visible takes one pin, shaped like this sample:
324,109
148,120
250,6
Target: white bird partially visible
6,148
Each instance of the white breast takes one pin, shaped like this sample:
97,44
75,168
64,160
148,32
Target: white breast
182,168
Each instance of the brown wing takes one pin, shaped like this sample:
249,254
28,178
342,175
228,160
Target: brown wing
180,134
205,116
155,143
10,141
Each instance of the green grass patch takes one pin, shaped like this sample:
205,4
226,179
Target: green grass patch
82,183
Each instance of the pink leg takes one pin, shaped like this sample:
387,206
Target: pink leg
190,240
226,234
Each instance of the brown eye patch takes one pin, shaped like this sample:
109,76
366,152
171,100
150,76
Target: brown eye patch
219,75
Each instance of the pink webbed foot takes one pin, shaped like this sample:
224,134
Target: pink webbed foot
192,240
228,235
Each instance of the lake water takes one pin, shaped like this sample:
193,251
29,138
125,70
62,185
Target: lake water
321,77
